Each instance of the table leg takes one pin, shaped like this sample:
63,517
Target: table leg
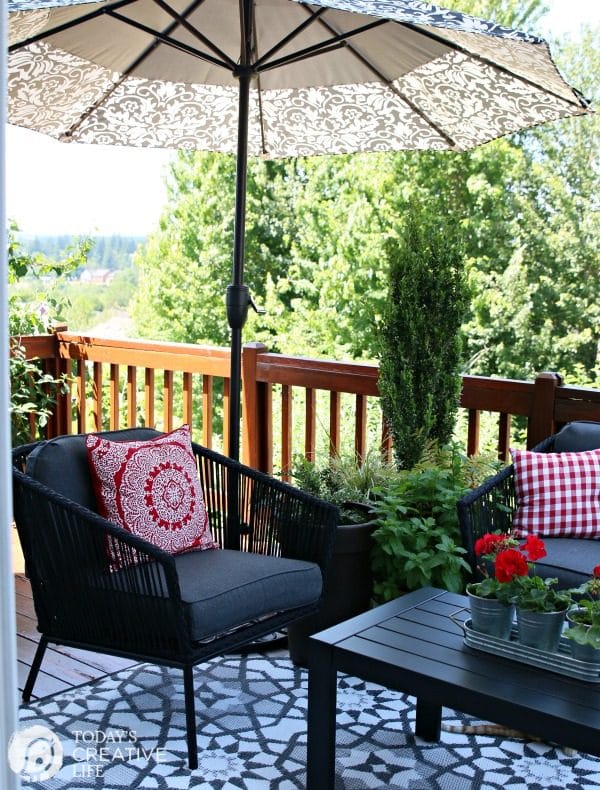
322,697
429,721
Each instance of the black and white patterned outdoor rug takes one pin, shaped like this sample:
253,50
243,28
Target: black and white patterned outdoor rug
128,731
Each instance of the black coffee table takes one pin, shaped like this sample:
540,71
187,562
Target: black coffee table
412,645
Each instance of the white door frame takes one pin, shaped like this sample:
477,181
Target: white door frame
8,627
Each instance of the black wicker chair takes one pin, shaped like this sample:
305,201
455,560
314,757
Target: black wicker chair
172,610
490,508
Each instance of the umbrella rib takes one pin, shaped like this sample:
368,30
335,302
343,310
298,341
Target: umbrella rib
389,83
67,25
303,56
126,72
164,38
494,65
196,33
324,46
290,36
261,117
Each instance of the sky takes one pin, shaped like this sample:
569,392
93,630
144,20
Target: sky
55,188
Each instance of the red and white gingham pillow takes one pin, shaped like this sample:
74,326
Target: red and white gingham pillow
558,494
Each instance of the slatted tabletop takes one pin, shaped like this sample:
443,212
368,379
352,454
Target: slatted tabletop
414,645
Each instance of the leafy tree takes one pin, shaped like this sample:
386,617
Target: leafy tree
538,308
186,265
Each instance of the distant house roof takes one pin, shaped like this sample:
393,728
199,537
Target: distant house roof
97,276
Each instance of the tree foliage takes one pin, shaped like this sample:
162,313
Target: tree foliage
316,257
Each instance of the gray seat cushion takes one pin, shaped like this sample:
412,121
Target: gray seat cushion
577,437
224,588
571,560
62,465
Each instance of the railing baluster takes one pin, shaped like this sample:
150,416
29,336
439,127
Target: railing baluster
360,428
131,396
226,389
188,401
286,431
310,430
386,442
97,396
207,410
473,432
334,423
149,398
504,437
545,404
81,396
168,400
114,398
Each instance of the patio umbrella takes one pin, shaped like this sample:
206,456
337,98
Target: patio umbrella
275,78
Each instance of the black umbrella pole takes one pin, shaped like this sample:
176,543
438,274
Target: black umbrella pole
237,301
238,295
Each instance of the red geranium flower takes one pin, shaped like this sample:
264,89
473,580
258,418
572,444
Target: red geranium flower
509,564
489,544
534,548
596,572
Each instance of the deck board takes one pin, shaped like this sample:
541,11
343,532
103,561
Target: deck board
62,667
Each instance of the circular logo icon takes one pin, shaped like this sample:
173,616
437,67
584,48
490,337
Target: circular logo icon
35,753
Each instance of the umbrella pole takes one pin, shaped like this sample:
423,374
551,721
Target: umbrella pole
238,294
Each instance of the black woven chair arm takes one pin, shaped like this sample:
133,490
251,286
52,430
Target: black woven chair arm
85,536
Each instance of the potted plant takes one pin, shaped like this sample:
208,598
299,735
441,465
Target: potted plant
491,600
584,620
417,542
349,589
541,608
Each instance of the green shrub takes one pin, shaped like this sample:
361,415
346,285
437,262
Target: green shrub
417,541
420,340
33,396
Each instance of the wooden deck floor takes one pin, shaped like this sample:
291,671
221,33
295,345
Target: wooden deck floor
62,667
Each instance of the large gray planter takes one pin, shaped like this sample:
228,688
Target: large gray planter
348,589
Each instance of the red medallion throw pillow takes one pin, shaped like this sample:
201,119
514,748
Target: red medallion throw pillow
558,494
151,488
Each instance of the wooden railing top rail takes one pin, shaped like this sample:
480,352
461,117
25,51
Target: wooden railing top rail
358,378
186,357
494,394
576,403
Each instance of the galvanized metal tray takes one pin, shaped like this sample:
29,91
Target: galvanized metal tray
561,661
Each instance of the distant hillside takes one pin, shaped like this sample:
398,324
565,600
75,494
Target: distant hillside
108,252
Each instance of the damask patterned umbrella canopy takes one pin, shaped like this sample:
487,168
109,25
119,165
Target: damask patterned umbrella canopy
277,78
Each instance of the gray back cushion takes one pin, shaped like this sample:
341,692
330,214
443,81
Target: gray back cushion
61,463
578,436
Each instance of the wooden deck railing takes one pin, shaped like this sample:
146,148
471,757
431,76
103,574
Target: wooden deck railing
121,383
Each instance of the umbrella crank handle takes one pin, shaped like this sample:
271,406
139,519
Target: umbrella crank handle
257,310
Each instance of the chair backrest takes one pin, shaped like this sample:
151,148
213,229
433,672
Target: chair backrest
578,436
61,463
